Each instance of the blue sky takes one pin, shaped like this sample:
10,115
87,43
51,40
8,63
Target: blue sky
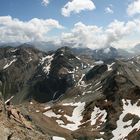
100,13
28,9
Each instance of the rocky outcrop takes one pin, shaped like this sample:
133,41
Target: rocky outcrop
15,126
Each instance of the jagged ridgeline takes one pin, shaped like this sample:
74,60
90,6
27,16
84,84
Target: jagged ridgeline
27,72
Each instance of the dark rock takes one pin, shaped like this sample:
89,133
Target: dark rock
96,71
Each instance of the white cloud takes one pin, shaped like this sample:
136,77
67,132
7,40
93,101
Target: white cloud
109,10
117,30
98,37
13,30
76,6
45,2
84,36
134,8
117,33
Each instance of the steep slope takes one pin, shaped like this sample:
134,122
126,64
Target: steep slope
17,65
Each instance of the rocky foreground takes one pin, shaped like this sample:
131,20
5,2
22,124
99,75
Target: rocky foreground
73,97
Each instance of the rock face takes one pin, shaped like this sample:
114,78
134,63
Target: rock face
87,100
95,72
17,65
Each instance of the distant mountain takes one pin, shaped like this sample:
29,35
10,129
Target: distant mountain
137,46
125,54
136,49
41,45
12,44
82,51
97,54
105,54
45,46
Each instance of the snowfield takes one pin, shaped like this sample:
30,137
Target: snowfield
74,119
76,116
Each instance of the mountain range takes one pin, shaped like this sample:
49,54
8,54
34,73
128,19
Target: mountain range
74,93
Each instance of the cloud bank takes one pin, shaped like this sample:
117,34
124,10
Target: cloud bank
15,30
116,34
97,37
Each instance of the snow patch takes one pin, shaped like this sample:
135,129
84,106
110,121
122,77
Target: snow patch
76,116
121,131
13,50
30,59
98,88
57,138
61,54
81,82
98,83
9,99
31,103
99,62
110,66
47,107
78,58
118,73
51,114
9,64
75,119
85,67
47,66
98,114
71,72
